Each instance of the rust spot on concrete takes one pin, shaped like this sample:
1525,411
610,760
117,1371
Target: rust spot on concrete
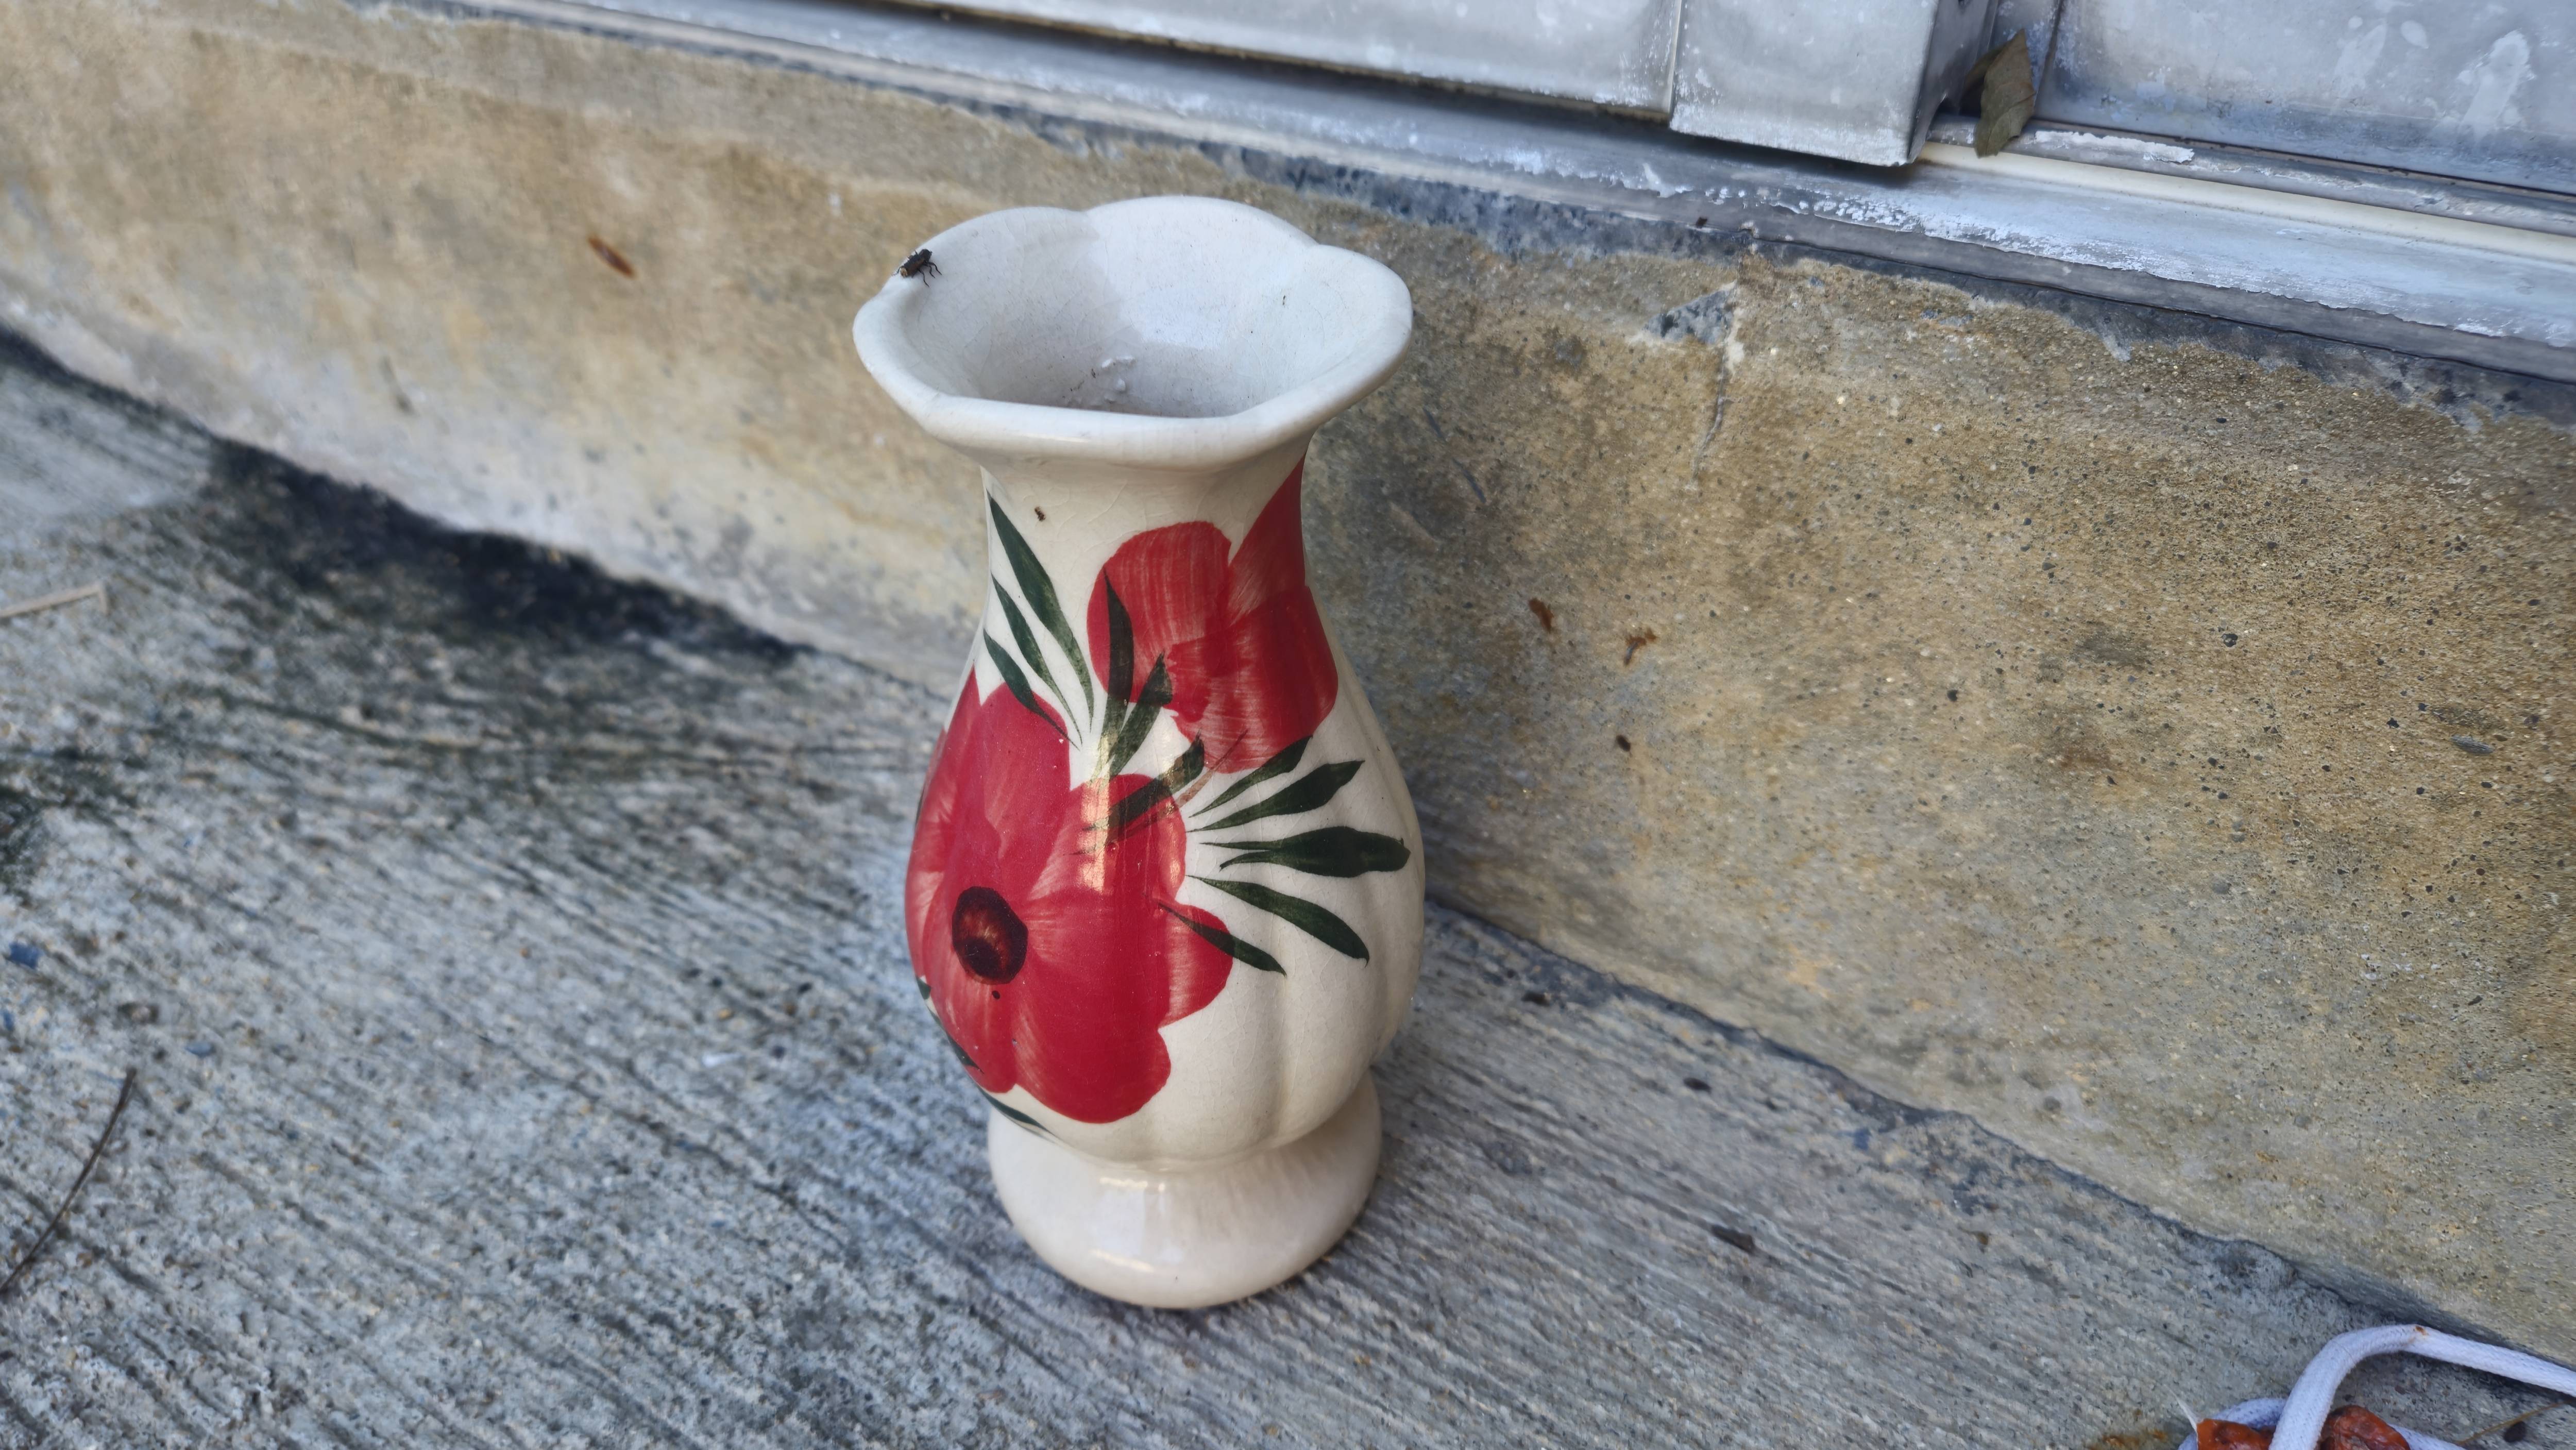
615,259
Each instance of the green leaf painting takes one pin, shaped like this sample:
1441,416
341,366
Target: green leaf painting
1332,851
1018,683
1232,945
1279,765
1140,721
1121,675
1028,644
1140,802
1038,589
1318,786
1016,1116
1305,915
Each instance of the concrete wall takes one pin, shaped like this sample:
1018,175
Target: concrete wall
2144,735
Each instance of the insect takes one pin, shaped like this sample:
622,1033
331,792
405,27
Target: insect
919,265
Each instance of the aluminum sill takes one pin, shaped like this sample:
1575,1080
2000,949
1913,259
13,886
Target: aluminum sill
2444,286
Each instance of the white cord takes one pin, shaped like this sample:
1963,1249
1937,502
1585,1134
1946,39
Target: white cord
2302,1417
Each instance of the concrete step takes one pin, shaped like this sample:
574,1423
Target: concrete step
510,962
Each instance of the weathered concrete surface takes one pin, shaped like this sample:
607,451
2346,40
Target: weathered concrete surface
513,968
2159,894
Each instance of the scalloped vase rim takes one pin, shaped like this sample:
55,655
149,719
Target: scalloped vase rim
1329,285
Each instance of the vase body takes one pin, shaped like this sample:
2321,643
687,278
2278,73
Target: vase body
1165,890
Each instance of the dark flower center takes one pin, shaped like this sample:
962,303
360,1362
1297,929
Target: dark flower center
988,936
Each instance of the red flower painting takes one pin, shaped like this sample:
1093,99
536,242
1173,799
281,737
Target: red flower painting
1043,925
1041,903
1240,642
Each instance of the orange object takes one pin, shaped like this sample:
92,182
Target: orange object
2354,1428
2349,1428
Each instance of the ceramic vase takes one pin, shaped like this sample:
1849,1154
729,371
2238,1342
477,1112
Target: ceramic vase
1165,890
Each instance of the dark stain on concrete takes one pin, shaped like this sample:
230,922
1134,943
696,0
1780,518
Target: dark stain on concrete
36,783
2105,645
373,556
1702,319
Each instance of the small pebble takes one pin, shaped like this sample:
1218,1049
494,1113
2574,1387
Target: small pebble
26,954
2469,743
201,1049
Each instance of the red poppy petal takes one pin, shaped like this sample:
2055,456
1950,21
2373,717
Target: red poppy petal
975,831
1108,966
1195,675
1272,560
982,1020
1198,967
934,827
1088,1022
1014,757
1091,1065
1283,688
1172,582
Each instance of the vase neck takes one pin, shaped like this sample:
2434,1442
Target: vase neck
1191,600
1074,515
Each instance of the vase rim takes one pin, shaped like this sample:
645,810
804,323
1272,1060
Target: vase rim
1181,280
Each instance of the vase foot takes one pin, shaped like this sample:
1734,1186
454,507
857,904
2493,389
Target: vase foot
1185,1240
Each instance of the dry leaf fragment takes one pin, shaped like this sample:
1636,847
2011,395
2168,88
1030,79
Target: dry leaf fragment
2005,103
2354,1428
2228,1435
2349,1428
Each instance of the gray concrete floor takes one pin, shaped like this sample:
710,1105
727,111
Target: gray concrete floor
510,959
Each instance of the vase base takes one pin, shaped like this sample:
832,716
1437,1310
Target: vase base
1186,1240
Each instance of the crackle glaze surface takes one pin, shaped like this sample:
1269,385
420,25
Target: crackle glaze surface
1165,890
1168,846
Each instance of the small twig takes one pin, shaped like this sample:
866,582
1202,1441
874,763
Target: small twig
2476,1435
96,1150
54,601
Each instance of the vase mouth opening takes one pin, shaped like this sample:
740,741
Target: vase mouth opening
1173,332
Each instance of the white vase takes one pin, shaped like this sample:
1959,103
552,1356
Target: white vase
1165,894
